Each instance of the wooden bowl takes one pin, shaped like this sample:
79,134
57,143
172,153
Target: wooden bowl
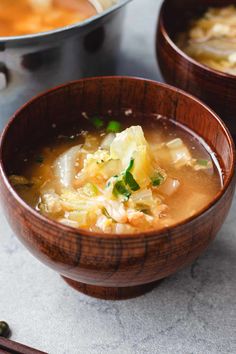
105,265
213,87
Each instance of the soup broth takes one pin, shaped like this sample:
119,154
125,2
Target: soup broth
20,17
211,39
140,179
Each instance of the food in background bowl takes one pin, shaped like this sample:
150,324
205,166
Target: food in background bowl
214,87
116,181
211,39
33,16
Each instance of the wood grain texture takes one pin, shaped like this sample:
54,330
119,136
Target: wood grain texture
112,293
103,260
11,347
213,87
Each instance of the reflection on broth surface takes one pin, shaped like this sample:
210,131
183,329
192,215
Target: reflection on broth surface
120,180
20,17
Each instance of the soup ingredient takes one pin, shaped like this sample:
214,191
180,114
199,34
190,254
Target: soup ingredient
97,122
4,329
114,127
101,5
122,182
20,17
41,5
211,40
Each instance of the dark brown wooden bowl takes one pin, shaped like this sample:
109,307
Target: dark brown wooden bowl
213,87
101,265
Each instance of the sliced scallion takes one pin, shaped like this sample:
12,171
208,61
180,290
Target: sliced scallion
130,181
131,165
39,159
97,122
105,212
203,162
114,126
129,178
157,179
107,215
120,189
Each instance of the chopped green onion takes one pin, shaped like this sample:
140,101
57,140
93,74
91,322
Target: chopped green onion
114,127
130,181
97,122
202,162
127,180
120,189
108,216
105,212
39,159
108,184
131,165
146,211
157,179
90,190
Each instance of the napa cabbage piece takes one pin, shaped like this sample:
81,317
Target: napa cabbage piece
50,202
98,166
179,152
175,151
170,186
66,165
75,206
131,144
127,141
211,39
142,199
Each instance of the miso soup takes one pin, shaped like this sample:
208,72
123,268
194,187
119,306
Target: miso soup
20,17
211,39
117,179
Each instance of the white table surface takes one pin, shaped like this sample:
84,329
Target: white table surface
192,312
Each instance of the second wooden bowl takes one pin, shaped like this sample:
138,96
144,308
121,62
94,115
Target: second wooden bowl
213,87
103,265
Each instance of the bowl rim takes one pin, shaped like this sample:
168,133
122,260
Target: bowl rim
111,237
181,53
77,25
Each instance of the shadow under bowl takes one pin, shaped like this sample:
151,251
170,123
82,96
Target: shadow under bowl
215,88
103,265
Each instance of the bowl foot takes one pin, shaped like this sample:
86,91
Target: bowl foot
110,293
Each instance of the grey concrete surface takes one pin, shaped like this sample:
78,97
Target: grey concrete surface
192,312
